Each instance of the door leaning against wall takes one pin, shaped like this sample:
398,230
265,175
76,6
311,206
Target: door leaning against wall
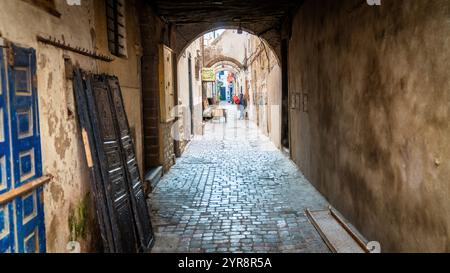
21,203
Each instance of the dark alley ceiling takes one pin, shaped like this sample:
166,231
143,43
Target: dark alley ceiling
182,12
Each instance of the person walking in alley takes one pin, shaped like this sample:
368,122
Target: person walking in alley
246,100
235,99
241,106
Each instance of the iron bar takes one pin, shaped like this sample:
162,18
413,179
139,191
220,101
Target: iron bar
82,51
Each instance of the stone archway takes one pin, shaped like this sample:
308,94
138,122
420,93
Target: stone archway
186,34
224,60
169,23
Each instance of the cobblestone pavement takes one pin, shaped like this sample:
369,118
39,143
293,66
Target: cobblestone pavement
233,191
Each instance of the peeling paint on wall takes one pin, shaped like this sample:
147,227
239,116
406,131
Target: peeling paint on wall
62,148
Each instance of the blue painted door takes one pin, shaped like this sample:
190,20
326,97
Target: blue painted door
22,218
223,93
6,210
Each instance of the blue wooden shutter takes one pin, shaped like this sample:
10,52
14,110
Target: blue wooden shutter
26,150
6,210
24,117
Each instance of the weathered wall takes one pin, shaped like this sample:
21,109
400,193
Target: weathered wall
264,74
151,32
266,31
374,136
62,148
228,46
158,142
274,102
194,50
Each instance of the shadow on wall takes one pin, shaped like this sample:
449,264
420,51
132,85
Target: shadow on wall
372,138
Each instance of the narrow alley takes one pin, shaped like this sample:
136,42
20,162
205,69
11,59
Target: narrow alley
234,191
192,126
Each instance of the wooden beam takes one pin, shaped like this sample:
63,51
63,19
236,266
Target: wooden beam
349,230
8,196
319,230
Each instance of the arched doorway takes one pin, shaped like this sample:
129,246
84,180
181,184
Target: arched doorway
255,70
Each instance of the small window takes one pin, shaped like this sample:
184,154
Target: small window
115,14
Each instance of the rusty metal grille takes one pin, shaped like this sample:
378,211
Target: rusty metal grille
115,15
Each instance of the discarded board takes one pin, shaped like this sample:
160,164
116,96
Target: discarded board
336,234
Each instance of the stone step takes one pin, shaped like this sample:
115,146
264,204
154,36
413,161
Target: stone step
152,178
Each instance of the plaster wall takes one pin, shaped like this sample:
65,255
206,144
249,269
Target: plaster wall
264,74
369,95
62,148
193,50
229,44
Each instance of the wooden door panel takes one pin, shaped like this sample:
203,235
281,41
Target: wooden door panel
5,165
113,171
25,133
136,189
22,225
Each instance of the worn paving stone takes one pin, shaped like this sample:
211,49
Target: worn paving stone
233,191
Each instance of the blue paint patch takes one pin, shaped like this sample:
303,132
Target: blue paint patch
26,164
2,219
24,122
21,81
2,183
28,205
6,228
30,243
30,222
5,166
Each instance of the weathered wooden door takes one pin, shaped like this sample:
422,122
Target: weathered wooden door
114,173
121,206
21,206
6,210
140,209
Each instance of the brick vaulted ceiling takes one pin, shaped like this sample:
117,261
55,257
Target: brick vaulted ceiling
194,17
226,11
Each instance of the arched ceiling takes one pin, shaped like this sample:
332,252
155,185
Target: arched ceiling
225,59
226,11
193,18
225,66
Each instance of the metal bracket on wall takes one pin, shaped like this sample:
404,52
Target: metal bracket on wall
83,51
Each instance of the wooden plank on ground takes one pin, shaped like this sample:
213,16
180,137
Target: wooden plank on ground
335,233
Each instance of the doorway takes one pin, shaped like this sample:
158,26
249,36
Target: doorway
22,224
284,96
191,95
